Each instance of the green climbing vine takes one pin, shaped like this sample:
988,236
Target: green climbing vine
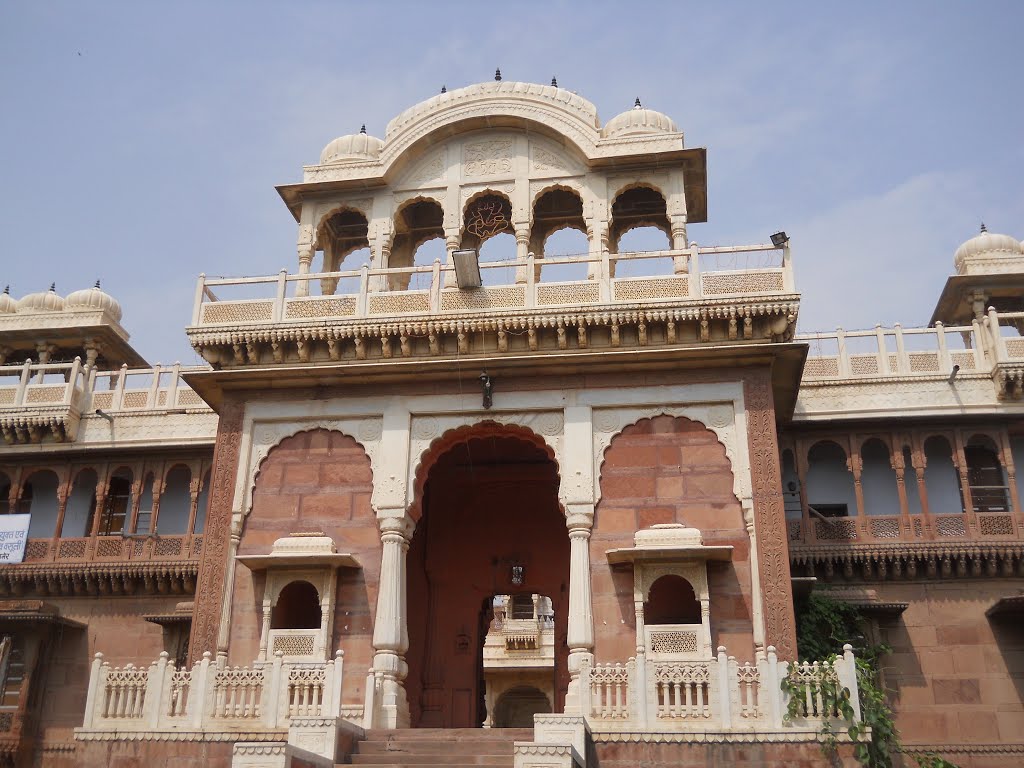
823,626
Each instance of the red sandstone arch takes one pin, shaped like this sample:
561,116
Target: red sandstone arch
464,434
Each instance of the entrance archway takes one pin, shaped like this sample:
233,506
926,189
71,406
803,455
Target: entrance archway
489,524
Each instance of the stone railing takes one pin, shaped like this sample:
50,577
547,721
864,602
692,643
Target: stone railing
881,529
372,293
901,352
49,400
720,694
112,549
211,696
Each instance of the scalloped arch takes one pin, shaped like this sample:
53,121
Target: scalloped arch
719,433
462,434
638,184
339,208
262,456
481,193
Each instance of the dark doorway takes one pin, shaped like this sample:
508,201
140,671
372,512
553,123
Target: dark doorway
491,524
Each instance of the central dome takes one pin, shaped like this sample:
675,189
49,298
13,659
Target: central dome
984,246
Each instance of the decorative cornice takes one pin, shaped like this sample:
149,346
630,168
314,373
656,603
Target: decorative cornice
83,734
107,579
907,561
713,737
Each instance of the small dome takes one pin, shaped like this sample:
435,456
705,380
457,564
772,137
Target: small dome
44,301
93,298
357,146
7,304
638,121
986,245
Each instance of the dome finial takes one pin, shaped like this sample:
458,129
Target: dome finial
636,104
7,290
984,229
97,283
497,74
444,89
53,287
362,129
554,81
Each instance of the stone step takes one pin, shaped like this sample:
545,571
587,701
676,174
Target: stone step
433,748
440,758
509,762
450,734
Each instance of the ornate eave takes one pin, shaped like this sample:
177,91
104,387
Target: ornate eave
92,579
908,562
956,302
72,332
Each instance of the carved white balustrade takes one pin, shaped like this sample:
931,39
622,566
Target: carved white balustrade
211,696
719,694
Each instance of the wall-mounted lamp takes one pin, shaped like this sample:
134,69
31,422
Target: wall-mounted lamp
467,268
487,385
103,415
953,373
779,239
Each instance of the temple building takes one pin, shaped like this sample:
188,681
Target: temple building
431,502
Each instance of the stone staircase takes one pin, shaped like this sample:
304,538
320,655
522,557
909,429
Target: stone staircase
437,747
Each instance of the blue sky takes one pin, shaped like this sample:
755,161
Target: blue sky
140,142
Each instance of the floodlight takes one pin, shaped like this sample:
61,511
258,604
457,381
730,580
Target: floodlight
467,268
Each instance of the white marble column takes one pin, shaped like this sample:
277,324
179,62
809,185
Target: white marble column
391,631
580,634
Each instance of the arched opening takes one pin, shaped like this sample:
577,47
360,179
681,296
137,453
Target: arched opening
559,229
878,479
910,483
487,226
81,507
416,223
490,524
297,607
941,480
791,487
497,249
39,499
175,501
671,600
985,475
517,706
639,223
117,504
343,239
144,517
830,490
202,504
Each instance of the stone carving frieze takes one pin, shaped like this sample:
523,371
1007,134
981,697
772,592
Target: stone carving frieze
488,158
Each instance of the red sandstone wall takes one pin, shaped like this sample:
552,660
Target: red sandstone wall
957,676
145,754
668,470
117,629
723,755
314,481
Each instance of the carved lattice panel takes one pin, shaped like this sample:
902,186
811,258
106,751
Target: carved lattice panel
673,641
995,525
821,367
483,298
344,306
718,284
835,530
863,365
294,645
652,288
568,293
237,312
885,528
399,303
952,525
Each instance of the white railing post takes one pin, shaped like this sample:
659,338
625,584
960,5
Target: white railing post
980,346
94,694
279,299
844,357
274,690
154,387
26,375
197,308
998,342
586,704
332,685
69,393
638,682
435,286
902,360
846,671
362,301
726,684
200,692
117,400
945,363
696,276
788,281
370,700
156,679
883,353
776,701
531,280
172,388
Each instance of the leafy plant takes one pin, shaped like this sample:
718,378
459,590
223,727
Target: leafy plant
823,626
